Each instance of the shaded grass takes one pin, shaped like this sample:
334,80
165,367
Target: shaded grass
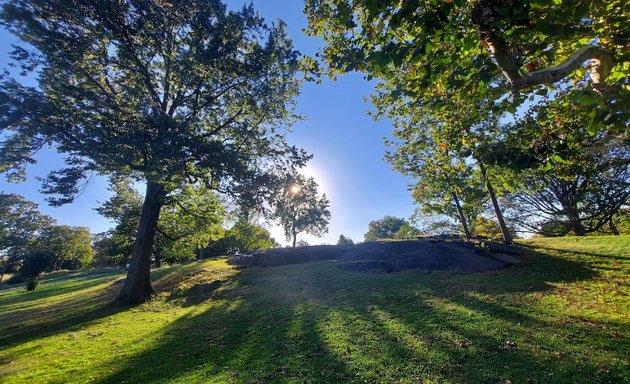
561,317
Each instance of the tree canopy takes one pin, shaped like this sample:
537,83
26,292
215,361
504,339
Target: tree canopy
385,228
447,50
190,220
300,209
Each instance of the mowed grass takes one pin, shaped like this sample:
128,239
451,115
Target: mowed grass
561,317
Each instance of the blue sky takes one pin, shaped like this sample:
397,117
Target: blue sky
347,145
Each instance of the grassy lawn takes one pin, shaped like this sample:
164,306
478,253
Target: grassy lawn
561,317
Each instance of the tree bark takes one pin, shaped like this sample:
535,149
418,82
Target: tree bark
462,218
601,60
294,238
507,237
576,225
611,225
137,286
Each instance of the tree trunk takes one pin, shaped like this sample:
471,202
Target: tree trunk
137,286
294,238
611,225
462,218
577,226
507,237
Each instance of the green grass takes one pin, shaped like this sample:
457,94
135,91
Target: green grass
561,317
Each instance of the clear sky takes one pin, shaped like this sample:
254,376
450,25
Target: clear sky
347,145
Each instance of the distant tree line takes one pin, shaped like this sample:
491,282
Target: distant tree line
32,243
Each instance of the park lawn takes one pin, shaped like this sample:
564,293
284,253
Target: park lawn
560,317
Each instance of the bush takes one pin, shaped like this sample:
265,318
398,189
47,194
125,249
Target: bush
32,284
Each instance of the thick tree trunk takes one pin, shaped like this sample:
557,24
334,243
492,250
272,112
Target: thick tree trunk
137,286
507,237
462,218
294,238
577,226
611,226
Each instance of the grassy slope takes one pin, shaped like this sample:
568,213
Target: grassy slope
560,318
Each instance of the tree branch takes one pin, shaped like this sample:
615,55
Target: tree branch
599,69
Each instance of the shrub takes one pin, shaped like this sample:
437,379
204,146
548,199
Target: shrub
32,284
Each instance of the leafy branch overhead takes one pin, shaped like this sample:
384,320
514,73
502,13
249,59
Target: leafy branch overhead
453,49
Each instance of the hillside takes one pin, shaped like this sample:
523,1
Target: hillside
561,316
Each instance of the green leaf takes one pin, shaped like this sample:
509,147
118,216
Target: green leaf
558,159
586,100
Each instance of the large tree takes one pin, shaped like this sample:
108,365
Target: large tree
167,93
300,209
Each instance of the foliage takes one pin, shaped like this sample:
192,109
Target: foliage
437,157
302,243
559,318
577,178
191,219
385,228
489,228
406,231
621,221
106,251
20,225
70,246
37,262
300,209
450,67
242,238
344,240
188,224
442,53
171,94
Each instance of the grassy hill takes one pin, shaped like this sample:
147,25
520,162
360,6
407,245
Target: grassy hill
561,317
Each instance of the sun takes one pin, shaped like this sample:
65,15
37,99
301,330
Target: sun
295,189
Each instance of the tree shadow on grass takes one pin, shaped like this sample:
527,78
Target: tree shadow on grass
316,323
243,335
27,316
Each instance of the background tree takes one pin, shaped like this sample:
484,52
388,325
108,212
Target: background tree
407,232
20,225
385,228
70,247
576,178
244,237
168,93
300,209
189,220
34,264
344,240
